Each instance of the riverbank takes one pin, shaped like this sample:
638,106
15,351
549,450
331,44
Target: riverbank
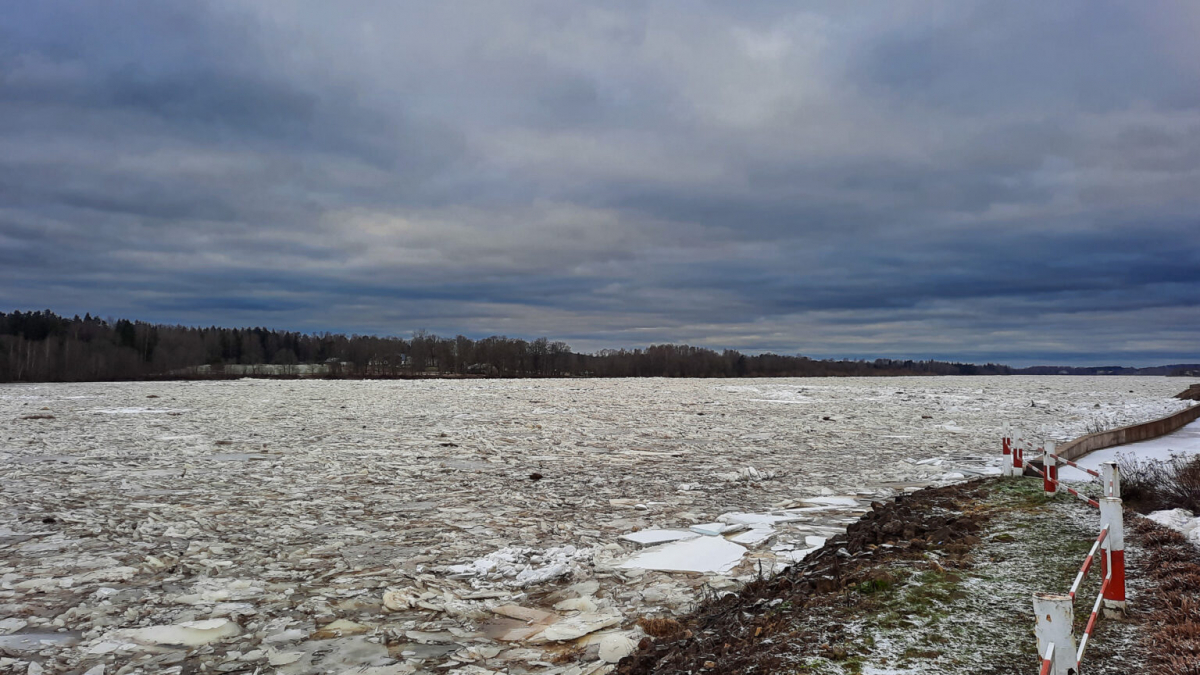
940,582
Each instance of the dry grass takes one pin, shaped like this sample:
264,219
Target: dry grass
660,626
1174,625
1152,485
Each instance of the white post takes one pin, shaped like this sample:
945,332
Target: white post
1006,447
1049,470
1110,476
1112,514
1018,447
1055,614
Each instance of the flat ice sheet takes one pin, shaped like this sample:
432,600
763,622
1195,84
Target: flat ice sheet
754,536
651,537
1186,441
703,554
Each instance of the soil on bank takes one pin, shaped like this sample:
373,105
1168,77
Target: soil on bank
941,581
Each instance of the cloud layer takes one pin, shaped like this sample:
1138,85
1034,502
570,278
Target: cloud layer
1014,181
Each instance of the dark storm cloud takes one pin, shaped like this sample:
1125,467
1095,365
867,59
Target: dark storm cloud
1015,181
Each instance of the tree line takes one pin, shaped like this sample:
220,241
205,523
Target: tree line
45,347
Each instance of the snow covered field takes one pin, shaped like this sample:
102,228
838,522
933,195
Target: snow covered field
313,526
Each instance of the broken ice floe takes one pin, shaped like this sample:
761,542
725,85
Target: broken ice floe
580,625
613,648
712,555
748,474
759,519
652,537
186,634
522,566
717,529
755,536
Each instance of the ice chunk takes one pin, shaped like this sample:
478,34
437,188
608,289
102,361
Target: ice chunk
749,474
522,566
757,519
578,626
584,604
652,537
398,599
797,556
755,536
526,614
188,633
615,647
705,554
716,529
340,628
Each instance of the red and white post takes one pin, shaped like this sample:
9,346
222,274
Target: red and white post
1055,643
1110,477
1006,445
1049,470
1018,466
1112,515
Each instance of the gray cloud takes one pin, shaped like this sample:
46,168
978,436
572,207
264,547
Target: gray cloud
1013,182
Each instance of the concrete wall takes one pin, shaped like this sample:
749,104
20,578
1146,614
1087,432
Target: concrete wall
1138,432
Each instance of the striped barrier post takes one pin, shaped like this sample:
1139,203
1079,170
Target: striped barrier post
1091,622
1112,518
1090,472
1087,563
1110,477
1070,491
1006,447
1055,613
1018,449
1055,643
1049,470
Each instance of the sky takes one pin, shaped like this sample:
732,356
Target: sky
1015,182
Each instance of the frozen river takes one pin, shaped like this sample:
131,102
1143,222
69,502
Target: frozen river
398,527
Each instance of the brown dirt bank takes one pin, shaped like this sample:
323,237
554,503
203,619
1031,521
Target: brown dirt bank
755,630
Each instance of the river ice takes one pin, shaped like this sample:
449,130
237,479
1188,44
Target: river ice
397,527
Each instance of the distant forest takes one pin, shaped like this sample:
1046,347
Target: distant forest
45,347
